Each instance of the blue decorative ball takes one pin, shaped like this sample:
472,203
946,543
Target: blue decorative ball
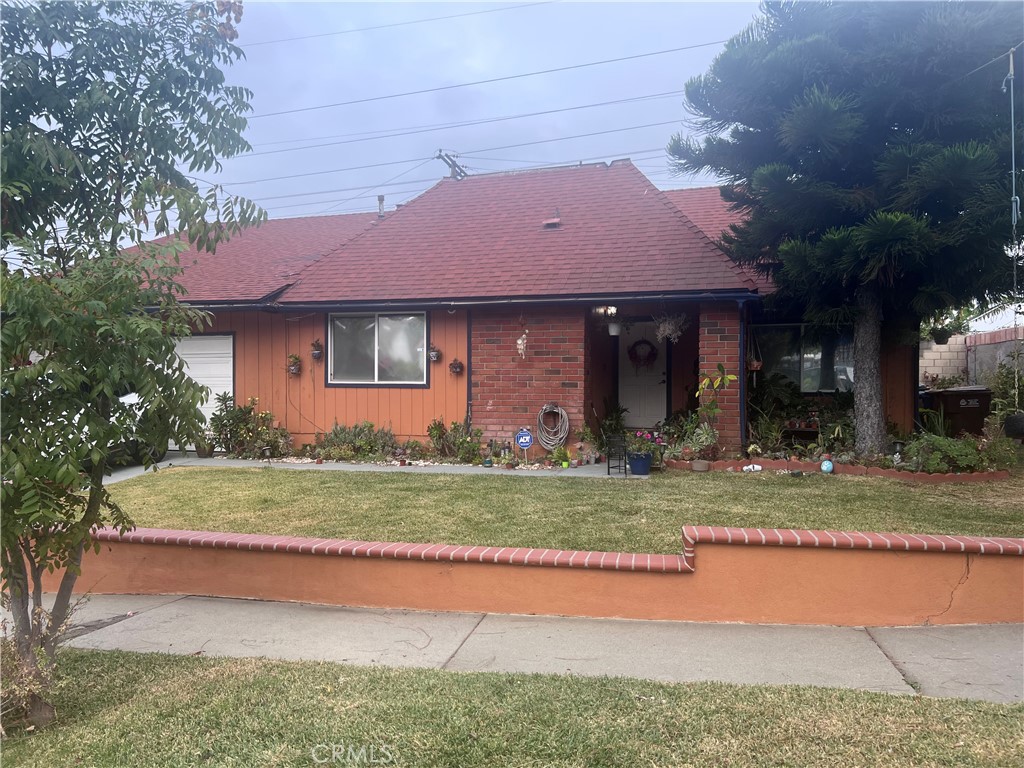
826,467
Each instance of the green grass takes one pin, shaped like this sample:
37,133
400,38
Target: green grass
154,710
562,513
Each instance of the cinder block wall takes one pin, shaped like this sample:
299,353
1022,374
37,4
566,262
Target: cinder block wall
945,360
508,391
720,343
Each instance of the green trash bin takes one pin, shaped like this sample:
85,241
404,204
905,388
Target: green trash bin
965,408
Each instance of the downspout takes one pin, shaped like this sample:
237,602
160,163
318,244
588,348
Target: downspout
469,367
743,372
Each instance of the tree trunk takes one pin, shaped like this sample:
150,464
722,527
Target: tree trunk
868,408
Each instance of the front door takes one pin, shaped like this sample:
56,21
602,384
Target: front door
643,376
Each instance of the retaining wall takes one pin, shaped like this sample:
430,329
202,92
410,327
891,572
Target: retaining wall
722,575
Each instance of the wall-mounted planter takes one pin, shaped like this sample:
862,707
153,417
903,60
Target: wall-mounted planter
316,350
456,367
434,354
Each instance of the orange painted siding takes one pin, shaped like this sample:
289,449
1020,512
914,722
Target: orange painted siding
305,405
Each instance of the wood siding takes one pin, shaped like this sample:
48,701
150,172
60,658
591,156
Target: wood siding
305,404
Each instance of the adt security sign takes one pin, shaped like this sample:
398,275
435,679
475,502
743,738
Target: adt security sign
524,439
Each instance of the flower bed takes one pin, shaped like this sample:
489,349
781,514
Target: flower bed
811,467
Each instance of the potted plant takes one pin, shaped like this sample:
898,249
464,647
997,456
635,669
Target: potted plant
456,366
316,349
294,365
560,456
434,354
640,447
670,327
205,445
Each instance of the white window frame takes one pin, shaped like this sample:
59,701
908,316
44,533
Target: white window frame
375,382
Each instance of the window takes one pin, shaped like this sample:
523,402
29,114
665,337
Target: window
378,349
816,361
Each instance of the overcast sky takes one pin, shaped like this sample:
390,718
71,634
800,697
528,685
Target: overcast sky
486,41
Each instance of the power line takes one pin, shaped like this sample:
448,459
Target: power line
320,173
341,189
463,124
382,184
467,154
989,63
398,24
474,156
578,136
488,81
339,201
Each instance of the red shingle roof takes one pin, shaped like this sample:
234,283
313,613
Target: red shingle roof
705,207
262,261
493,236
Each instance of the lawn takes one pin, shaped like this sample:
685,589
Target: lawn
155,710
500,509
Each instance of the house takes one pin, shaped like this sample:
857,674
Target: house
511,280
468,269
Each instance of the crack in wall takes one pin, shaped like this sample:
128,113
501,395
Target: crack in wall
956,587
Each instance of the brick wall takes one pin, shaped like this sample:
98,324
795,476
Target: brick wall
507,390
720,343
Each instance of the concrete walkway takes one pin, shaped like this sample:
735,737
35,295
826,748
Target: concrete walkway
978,662
175,459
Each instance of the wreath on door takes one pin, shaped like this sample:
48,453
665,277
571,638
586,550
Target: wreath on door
642,354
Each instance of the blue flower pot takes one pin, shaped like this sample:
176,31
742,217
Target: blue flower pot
640,463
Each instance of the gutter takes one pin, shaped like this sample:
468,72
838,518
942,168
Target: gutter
486,301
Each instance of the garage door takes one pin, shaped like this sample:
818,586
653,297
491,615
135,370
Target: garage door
210,361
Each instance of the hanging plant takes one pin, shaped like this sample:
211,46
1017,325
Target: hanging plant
294,365
456,366
642,354
670,327
434,353
316,349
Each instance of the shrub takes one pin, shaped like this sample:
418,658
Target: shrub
458,441
360,441
244,432
935,453
1001,382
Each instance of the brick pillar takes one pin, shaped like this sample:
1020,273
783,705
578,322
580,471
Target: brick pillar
509,391
720,343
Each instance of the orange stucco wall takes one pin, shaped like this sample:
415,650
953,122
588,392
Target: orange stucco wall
305,405
784,585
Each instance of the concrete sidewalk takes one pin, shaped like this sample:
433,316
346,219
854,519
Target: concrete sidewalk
978,662
175,459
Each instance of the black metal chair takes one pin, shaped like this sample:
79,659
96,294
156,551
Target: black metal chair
616,448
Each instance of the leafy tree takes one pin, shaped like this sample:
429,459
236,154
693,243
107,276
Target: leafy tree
869,147
101,105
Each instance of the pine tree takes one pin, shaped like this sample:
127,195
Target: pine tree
867,145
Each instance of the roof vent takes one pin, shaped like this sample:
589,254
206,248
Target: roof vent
553,222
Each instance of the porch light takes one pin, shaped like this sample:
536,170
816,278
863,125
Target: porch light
609,314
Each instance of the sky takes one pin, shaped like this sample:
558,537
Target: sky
309,54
